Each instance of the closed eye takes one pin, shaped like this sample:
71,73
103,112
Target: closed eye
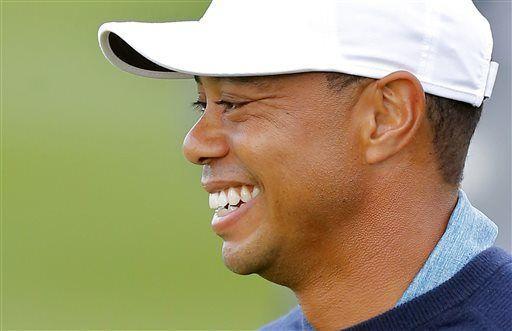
201,106
230,105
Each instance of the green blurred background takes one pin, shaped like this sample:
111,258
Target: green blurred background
104,222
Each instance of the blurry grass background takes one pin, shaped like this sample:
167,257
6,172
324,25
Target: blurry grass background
105,224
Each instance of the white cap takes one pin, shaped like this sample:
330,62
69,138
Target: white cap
446,44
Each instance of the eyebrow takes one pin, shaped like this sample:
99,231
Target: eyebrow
255,81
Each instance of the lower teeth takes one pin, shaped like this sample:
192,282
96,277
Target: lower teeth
224,211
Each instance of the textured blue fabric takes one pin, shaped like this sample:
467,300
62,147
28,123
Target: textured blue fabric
468,233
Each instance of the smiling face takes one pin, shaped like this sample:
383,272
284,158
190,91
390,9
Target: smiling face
290,137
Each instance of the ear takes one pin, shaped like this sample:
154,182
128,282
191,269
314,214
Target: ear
390,112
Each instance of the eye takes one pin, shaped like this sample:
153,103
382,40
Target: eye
199,106
230,105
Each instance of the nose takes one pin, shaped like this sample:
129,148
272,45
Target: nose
205,140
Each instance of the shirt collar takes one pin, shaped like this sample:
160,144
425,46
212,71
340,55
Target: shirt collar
468,232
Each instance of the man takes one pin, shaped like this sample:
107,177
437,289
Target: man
332,138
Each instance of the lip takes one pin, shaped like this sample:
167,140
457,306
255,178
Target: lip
220,224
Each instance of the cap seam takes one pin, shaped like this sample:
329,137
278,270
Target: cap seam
426,42
421,80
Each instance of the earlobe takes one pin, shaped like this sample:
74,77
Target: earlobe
394,109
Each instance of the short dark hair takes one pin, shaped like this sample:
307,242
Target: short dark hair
453,124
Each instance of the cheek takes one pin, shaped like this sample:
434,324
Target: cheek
302,168
275,150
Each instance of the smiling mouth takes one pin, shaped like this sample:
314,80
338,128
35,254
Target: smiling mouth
228,200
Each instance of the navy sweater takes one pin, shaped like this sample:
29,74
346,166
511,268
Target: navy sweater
478,297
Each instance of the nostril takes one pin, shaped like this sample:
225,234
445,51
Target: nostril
202,160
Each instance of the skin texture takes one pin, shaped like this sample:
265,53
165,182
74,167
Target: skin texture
351,200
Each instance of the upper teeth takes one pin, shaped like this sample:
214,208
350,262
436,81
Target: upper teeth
232,195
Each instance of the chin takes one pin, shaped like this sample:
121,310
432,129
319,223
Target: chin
246,259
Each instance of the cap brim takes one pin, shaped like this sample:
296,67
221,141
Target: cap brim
187,48
155,50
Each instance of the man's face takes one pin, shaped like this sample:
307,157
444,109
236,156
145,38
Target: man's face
290,136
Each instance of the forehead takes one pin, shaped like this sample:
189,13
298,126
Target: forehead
260,82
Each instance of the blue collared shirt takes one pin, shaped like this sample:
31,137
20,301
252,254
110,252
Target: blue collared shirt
468,233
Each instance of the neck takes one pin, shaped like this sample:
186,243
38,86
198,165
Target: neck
363,269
